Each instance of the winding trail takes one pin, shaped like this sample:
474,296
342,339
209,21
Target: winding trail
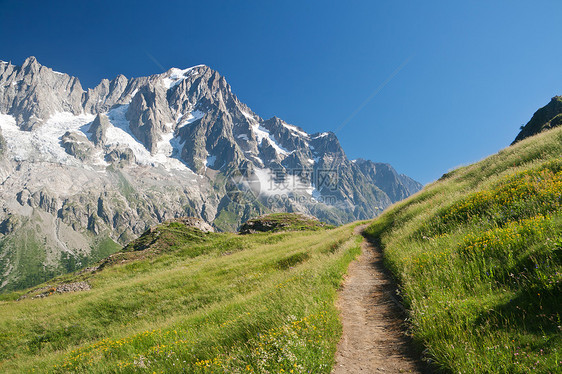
373,339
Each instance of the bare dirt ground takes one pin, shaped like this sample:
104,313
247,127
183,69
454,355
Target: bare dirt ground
373,338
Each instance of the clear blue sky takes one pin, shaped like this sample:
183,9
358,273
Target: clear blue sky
472,71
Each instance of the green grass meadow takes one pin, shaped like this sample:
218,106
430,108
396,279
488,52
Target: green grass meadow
478,256
194,303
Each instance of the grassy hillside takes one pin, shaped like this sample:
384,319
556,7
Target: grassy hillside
184,301
478,255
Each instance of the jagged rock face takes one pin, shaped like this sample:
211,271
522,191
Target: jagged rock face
2,144
32,93
545,118
77,145
108,93
148,115
81,170
98,129
395,186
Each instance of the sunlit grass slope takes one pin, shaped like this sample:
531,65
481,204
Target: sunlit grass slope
190,302
478,255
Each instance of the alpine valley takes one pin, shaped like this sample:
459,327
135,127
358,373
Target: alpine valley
84,172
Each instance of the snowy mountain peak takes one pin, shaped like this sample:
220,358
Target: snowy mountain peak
175,76
110,161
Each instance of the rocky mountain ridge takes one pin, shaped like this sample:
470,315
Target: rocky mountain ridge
82,170
545,118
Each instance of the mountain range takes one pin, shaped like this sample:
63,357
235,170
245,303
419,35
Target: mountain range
84,171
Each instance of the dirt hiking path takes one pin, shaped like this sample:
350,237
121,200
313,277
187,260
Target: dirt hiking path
373,339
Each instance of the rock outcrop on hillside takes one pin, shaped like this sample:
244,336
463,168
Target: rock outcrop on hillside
547,117
277,222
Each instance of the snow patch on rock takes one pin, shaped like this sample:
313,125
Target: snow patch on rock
44,142
190,118
175,76
262,133
120,135
210,161
322,135
295,129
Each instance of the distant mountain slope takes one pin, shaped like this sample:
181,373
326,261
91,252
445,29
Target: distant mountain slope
83,170
545,118
395,186
478,255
